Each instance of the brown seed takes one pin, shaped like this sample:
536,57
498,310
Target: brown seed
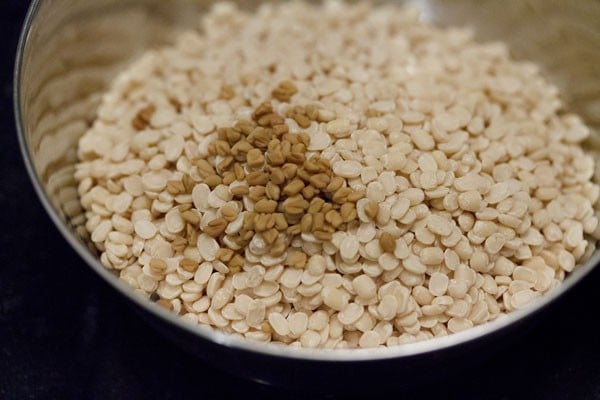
296,259
158,266
304,138
192,233
295,205
334,218
257,178
306,223
293,188
275,156
272,191
372,209
240,149
387,242
319,181
348,212
312,111
249,218
225,254
188,183
270,235
215,227
265,206
188,265
229,212
184,207
303,174
255,158
326,208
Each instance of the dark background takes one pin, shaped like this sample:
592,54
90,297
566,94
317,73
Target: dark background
65,335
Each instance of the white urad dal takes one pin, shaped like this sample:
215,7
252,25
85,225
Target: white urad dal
470,194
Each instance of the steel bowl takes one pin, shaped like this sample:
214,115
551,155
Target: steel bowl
68,53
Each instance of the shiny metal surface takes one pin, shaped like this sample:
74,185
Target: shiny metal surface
69,51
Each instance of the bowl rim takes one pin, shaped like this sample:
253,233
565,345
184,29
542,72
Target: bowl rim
230,341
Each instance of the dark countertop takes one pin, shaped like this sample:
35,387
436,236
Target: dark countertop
65,335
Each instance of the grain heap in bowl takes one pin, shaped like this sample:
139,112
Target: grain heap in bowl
336,176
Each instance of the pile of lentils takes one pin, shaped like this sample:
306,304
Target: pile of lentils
336,176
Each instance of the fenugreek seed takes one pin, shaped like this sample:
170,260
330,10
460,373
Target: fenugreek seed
294,229
296,259
265,206
289,170
229,212
341,195
222,148
175,187
355,195
387,242
238,170
334,184
225,255
179,244
318,221
284,91
371,209
302,120
316,205
262,222
204,168
227,92
239,191
279,247
309,192
215,227
334,218
320,181
257,178
236,263
323,235
191,217
277,176
263,109
295,205
270,235
166,304
257,193
348,212
272,191
158,266
213,181
280,129
255,158
293,188
280,221
260,137
228,178
306,223
142,118
188,265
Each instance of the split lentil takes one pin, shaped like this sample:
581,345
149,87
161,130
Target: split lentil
336,176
